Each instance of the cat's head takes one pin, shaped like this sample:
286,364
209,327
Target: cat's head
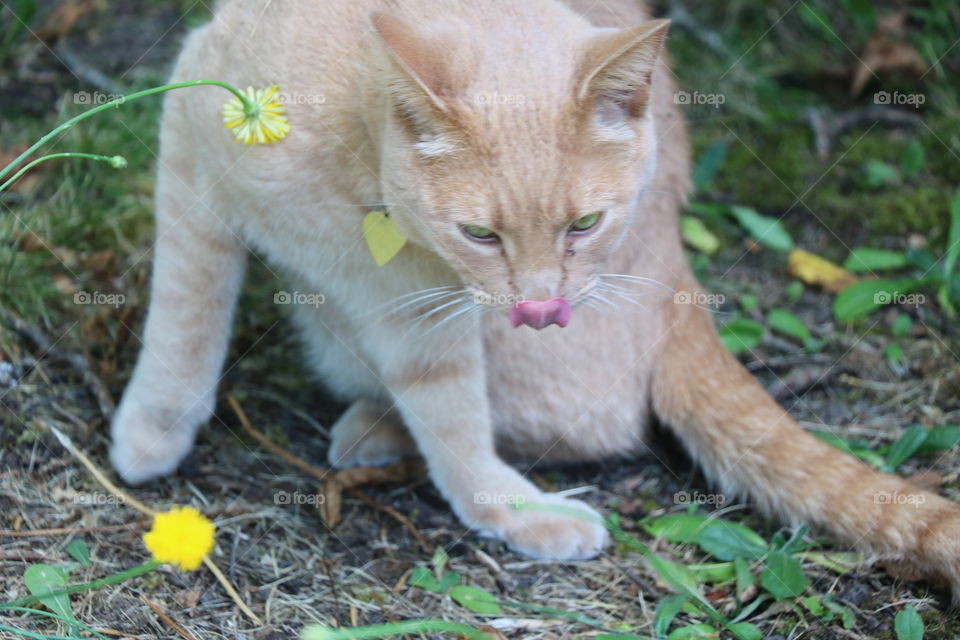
519,161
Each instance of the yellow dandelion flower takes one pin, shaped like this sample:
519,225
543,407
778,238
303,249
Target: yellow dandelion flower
182,537
260,120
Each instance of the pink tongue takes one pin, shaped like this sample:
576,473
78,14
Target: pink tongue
540,314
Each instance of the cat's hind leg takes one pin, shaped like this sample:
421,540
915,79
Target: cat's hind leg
197,272
369,434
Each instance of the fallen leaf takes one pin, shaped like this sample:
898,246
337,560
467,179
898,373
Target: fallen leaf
886,51
813,270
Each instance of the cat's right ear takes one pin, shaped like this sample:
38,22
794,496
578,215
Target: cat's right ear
423,56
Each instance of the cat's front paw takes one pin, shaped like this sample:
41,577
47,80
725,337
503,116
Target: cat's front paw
550,526
367,437
149,442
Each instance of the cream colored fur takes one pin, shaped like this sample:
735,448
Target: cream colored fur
519,115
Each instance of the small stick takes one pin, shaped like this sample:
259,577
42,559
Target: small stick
173,625
65,531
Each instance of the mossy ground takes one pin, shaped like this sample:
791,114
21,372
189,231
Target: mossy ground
80,227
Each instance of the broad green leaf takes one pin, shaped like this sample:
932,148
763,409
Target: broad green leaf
879,173
475,599
741,334
788,324
745,631
43,578
423,578
859,299
79,551
767,231
905,446
676,527
908,624
713,572
449,579
913,158
901,325
953,239
730,540
693,631
812,603
783,577
667,610
709,164
696,234
864,260
940,439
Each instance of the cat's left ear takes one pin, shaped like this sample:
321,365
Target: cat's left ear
618,65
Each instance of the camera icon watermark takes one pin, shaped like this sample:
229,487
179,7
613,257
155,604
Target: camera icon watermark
288,498
99,298
686,98
896,297
498,498
897,498
686,497
699,298
897,98
299,298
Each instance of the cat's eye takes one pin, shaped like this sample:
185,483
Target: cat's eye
478,233
586,222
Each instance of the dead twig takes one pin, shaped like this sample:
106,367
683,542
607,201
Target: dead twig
65,531
167,619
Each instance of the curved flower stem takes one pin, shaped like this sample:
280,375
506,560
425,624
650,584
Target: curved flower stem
72,623
319,632
115,161
120,576
247,106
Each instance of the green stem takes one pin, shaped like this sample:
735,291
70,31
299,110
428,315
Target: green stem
116,161
31,634
116,103
133,572
319,632
72,623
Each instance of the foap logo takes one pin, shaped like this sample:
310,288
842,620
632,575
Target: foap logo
99,298
299,297
92,98
297,497
895,497
696,98
496,299
297,97
699,298
897,98
498,498
897,297
502,99
686,497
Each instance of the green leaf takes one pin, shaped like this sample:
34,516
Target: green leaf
769,232
953,241
741,334
475,599
676,527
449,579
678,577
423,578
860,298
788,324
749,302
667,610
713,572
745,577
864,260
730,540
904,447
908,624
794,290
42,578
817,19
913,158
709,164
901,325
745,631
79,551
783,577
696,234
893,353
693,631
940,439
813,605
879,173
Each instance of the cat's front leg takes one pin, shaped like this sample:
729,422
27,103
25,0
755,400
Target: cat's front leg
444,404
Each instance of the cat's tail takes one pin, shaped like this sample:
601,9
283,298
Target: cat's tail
750,447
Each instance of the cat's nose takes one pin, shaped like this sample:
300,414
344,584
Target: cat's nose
540,314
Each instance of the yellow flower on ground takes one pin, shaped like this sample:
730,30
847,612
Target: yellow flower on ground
182,537
262,122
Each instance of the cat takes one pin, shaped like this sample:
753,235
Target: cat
532,154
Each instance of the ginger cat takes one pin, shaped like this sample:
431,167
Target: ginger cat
532,154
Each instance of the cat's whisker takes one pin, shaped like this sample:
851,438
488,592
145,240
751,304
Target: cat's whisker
417,296
628,298
471,306
612,288
639,279
419,320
